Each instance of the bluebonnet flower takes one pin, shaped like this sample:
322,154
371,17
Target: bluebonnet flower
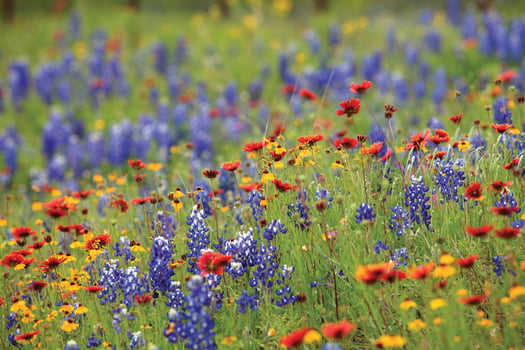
334,34
507,200
56,168
19,79
160,53
420,89
399,220
502,115
401,88
195,325
376,135
301,209
254,201
135,339
371,65
245,252
454,12
416,201
331,346
500,265
122,248
198,237
313,41
469,28
440,86
380,246
433,41
447,179
93,341
120,142
399,257
246,300
273,229
160,272
365,212
71,345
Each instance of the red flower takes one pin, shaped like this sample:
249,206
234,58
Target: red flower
506,76
422,271
438,154
456,119
512,164
345,143
499,186
288,89
211,173
56,208
349,107
141,201
468,262
389,111
501,128
23,252
22,232
37,286
479,231
254,146
507,232
387,156
307,94
136,164
98,242
371,274
83,194
12,260
310,140
37,245
282,186
418,141
51,263
212,262
277,156
143,299
294,339
27,336
440,136
475,299
337,330
373,150
474,192
93,289
393,276
78,229
361,88
120,205
250,187
231,166
504,211
139,178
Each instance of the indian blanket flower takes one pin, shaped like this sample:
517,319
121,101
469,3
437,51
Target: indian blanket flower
83,194
456,119
254,146
52,263
474,192
282,186
389,111
512,164
507,232
27,337
361,88
475,299
421,271
373,150
418,141
501,128
16,261
394,276
231,166
136,164
345,142
56,208
297,338
307,94
499,186
505,211
338,330
467,262
22,232
371,274
440,136
310,140
479,231
213,262
98,242
120,204
93,289
349,107
211,173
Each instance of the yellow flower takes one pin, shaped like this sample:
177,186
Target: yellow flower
271,332
66,309
177,205
229,340
446,259
81,309
463,145
3,221
246,179
121,181
505,300
69,326
438,321
462,292
513,324
19,305
51,316
516,291
36,206
137,248
416,325
155,166
100,124
56,193
437,303
485,322
407,304
457,339
278,165
250,22
98,178
266,177
443,271
390,341
311,336
337,165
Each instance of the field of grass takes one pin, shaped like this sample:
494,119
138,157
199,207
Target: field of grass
281,178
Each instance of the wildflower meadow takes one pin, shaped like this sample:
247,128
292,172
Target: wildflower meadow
251,174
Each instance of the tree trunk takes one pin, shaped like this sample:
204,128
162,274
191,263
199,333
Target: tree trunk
8,10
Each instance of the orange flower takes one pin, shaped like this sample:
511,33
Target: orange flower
371,274
338,330
98,242
231,166
474,192
361,88
475,299
52,263
212,262
295,339
422,271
